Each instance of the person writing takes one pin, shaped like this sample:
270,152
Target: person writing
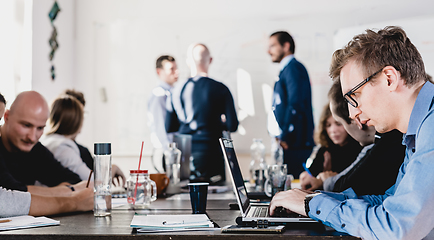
23,159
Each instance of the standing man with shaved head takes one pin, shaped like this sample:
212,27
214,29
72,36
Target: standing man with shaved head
292,103
203,108
23,159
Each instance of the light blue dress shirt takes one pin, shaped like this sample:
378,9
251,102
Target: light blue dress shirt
406,210
157,116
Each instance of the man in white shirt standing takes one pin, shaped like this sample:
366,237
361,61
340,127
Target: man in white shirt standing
167,71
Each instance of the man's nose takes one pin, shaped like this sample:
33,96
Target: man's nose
33,135
354,112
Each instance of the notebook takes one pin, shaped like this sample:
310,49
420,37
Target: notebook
169,223
251,212
26,221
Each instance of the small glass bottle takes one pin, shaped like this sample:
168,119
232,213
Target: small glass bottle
102,180
172,156
277,151
257,164
141,190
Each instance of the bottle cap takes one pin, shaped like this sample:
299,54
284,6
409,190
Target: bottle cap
102,149
138,171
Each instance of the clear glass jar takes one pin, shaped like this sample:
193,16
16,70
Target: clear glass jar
141,190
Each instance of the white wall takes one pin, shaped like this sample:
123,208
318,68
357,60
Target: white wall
112,45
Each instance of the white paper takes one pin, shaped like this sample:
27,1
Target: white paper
171,221
147,230
27,222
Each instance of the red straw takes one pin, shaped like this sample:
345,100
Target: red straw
140,161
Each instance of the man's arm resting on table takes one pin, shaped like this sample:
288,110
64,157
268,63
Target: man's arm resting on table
78,201
61,190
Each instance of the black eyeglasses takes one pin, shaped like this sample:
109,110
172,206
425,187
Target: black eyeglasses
347,95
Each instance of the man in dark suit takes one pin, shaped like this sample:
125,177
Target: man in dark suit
202,107
292,103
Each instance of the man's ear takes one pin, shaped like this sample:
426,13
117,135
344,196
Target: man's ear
6,115
210,60
158,71
393,78
286,47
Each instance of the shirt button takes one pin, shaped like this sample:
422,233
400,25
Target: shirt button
343,225
413,150
318,212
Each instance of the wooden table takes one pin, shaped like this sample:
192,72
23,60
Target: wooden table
117,226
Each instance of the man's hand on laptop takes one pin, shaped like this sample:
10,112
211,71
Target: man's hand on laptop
292,200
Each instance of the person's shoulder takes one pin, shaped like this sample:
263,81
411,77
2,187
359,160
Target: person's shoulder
216,83
53,140
426,127
40,151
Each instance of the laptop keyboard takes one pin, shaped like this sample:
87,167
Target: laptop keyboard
260,212
279,213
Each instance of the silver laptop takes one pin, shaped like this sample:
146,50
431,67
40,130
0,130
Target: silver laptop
251,212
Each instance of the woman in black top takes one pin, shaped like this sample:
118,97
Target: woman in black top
337,150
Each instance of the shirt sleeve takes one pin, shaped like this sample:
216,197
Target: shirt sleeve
230,113
71,159
156,121
7,180
404,212
14,203
50,171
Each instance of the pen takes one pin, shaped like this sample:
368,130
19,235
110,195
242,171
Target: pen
307,169
88,180
183,222
5,221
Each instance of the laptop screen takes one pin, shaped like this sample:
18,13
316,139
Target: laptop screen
237,178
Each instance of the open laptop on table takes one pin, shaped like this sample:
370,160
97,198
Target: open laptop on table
252,212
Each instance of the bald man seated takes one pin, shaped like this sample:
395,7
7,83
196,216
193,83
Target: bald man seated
23,159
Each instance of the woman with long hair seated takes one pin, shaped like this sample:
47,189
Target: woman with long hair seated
65,122
335,151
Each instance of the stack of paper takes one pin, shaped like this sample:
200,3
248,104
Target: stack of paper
26,222
161,223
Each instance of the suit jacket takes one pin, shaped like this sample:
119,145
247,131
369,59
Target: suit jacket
292,106
211,99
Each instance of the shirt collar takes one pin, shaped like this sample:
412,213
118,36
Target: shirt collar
421,107
285,61
164,85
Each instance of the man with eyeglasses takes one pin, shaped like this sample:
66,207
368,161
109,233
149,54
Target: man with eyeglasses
396,93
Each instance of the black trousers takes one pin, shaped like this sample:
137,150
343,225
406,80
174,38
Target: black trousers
208,165
294,159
